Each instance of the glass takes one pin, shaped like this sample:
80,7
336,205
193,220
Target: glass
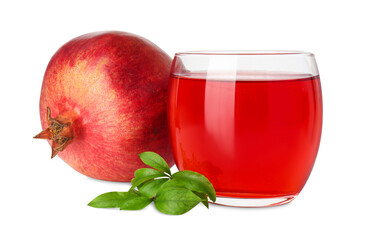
250,121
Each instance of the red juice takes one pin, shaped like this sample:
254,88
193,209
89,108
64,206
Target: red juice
256,136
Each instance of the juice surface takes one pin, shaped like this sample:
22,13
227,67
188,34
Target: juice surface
255,136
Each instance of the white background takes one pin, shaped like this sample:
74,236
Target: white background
46,199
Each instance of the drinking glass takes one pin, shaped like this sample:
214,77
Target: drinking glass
250,121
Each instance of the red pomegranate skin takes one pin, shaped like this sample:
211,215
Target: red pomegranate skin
112,88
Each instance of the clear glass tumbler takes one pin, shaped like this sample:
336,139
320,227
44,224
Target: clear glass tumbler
250,121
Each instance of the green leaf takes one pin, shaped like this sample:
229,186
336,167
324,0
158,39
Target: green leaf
135,202
156,161
173,183
150,188
121,200
203,197
109,200
142,184
175,200
144,174
195,182
179,184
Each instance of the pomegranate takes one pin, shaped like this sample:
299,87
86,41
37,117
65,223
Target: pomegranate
103,101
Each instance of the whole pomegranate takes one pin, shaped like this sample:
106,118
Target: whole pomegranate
103,101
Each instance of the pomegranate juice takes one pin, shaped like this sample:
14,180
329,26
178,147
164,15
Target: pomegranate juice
255,136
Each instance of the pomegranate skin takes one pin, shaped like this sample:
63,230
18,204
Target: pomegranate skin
113,89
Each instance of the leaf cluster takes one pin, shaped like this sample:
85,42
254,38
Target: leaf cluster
172,194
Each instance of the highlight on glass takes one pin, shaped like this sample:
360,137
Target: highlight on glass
250,121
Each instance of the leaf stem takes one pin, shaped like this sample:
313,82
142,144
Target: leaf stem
168,175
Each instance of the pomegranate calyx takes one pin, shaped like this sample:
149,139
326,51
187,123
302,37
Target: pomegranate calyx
58,132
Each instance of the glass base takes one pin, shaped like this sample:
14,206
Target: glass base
253,202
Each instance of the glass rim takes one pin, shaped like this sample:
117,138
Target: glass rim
245,52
